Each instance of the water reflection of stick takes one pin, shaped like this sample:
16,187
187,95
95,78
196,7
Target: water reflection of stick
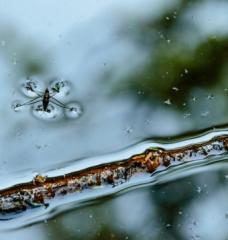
41,190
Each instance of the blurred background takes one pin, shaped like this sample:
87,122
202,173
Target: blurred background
140,69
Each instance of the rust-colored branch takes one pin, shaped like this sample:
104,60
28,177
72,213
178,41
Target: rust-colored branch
42,189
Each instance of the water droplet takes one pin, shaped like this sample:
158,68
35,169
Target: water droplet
167,18
74,111
168,41
60,88
52,112
32,87
17,106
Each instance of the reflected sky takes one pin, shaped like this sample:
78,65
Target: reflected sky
105,48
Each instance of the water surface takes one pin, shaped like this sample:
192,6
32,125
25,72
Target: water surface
143,70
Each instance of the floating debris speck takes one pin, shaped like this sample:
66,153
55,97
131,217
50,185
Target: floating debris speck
168,102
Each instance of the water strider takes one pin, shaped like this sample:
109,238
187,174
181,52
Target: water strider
47,99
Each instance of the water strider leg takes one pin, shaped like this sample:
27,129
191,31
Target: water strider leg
58,103
29,102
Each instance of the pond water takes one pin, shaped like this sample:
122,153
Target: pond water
137,72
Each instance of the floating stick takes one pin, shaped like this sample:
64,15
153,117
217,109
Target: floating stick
42,189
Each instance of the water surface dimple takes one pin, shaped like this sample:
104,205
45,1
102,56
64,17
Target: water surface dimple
60,87
17,106
31,86
74,110
53,112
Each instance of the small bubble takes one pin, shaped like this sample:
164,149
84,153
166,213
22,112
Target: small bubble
168,41
74,110
167,18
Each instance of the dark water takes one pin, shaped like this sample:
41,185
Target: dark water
139,70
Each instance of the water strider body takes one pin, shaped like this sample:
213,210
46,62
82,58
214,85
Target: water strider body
46,98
